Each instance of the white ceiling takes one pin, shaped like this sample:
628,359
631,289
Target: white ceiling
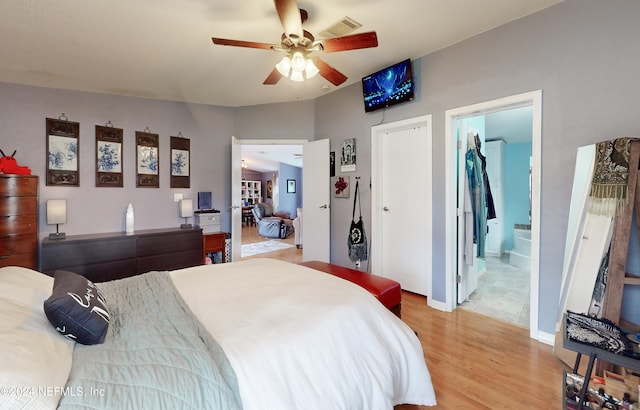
513,125
162,49
265,158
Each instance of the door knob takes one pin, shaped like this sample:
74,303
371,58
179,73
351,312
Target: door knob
325,206
234,207
386,209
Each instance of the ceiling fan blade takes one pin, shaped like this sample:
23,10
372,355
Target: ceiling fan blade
273,78
332,75
290,18
239,43
352,42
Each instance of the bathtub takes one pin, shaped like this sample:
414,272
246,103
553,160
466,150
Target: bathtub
520,255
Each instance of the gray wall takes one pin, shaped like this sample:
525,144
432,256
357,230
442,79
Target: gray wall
23,110
90,209
581,53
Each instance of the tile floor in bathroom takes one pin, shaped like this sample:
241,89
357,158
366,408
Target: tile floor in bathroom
503,292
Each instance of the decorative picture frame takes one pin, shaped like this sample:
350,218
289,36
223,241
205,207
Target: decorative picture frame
348,155
291,186
269,189
332,164
109,158
147,159
180,162
63,146
341,186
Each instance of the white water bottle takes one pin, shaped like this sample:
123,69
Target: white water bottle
129,219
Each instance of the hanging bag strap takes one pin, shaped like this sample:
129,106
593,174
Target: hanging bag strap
356,197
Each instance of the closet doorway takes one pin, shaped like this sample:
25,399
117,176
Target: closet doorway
455,263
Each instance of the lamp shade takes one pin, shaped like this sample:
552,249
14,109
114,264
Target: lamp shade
186,208
56,211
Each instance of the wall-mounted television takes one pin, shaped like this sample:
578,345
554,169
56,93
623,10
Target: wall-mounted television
389,86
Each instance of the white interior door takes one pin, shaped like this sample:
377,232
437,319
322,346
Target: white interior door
235,208
401,198
316,219
467,271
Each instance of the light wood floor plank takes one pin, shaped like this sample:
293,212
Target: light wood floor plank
477,362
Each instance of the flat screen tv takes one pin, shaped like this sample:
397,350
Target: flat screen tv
389,86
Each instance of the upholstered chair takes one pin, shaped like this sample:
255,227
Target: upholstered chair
271,226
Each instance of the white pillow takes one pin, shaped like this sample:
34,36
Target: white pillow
36,360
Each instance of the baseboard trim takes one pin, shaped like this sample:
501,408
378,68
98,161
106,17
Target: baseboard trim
437,305
546,338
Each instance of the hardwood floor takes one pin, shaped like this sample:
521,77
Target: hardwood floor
475,362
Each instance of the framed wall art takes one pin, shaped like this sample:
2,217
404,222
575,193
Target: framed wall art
348,155
332,164
341,185
63,145
291,186
109,156
180,162
269,189
147,159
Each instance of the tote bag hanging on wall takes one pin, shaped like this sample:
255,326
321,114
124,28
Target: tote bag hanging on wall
357,240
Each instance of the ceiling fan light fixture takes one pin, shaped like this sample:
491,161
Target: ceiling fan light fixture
310,69
284,66
298,62
296,75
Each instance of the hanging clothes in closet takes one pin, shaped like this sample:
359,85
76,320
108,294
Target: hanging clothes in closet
473,165
491,209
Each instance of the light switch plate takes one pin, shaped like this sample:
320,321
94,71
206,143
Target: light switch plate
177,197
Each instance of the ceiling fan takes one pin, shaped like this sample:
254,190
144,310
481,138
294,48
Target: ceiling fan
298,44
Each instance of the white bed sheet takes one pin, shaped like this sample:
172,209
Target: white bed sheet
300,338
35,360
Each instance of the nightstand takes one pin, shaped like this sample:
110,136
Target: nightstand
214,242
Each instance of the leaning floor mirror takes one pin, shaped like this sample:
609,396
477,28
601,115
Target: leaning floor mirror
600,235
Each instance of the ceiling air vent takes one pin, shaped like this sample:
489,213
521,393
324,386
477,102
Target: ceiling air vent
341,28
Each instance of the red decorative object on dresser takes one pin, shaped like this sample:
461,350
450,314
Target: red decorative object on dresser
19,221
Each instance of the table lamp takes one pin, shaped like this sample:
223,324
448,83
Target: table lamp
186,211
56,214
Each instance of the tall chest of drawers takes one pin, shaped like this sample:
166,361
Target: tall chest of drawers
19,221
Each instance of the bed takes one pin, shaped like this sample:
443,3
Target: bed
273,335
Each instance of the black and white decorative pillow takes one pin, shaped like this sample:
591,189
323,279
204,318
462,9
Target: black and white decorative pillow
77,309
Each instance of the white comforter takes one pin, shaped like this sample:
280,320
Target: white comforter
299,338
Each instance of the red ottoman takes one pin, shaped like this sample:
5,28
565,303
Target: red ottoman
387,291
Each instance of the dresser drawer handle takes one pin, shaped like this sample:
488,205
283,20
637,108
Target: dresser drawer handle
5,256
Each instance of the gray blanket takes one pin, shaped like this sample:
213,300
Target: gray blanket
156,355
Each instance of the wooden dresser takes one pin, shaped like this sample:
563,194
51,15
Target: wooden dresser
19,221
109,256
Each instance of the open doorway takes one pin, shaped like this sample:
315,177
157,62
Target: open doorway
454,214
502,140
271,181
